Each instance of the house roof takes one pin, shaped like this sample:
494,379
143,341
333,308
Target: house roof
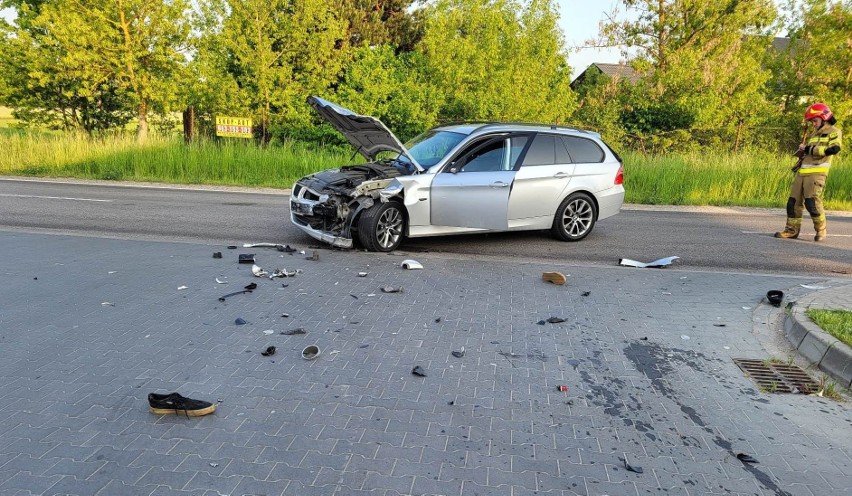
611,70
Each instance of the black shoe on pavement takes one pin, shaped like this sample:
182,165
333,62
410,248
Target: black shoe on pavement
164,404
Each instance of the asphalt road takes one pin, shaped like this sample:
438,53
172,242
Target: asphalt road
714,239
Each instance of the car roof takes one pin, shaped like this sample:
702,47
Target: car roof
472,127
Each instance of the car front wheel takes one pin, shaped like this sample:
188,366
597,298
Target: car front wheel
380,227
574,218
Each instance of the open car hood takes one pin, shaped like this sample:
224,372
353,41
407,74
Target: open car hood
367,134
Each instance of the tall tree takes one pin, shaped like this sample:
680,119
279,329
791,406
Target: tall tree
130,48
498,59
817,63
703,57
279,51
380,22
43,81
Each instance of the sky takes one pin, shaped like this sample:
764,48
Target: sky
579,21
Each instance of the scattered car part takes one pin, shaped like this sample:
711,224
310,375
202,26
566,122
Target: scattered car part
180,288
283,273
555,320
557,278
775,297
418,371
746,458
411,264
459,353
224,297
268,351
562,388
362,274
294,332
811,286
391,289
585,293
217,254
631,468
219,281
257,271
240,321
246,258
311,352
655,264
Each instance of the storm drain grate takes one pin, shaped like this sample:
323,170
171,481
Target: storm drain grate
777,377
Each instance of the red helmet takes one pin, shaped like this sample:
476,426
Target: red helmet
818,110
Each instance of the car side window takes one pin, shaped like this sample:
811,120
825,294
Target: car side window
583,150
542,151
490,157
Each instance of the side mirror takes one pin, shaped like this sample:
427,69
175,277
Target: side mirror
453,168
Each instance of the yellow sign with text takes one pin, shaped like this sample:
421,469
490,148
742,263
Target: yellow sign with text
233,127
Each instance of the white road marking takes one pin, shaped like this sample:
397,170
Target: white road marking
56,198
773,232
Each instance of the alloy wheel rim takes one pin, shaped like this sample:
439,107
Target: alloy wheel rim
389,227
577,218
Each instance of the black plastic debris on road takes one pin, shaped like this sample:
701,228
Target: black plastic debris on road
585,293
551,320
217,254
418,371
240,321
294,332
631,468
775,297
223,297
459,353
246,258
268,351
746,458
391,289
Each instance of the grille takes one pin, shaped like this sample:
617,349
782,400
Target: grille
777,377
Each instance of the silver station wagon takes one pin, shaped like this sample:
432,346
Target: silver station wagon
455,179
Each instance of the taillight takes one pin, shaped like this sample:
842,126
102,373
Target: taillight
619,176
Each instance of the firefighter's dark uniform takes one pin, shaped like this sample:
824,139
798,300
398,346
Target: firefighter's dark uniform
806,192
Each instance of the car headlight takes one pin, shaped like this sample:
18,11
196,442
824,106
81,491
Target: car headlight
393,189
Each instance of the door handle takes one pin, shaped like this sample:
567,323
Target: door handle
561,175
499,184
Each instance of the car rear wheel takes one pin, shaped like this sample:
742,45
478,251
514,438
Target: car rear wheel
574,218
380,227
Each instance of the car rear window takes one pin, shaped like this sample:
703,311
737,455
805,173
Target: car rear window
583,150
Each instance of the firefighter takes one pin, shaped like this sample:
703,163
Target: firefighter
806,193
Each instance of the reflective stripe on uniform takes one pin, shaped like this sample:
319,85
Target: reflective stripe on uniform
813,170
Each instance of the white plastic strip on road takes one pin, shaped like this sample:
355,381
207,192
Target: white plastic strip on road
55,198
773,232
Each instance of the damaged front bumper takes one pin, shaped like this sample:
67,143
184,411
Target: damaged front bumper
331,239
309,211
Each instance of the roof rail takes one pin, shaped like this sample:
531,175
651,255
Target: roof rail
487,124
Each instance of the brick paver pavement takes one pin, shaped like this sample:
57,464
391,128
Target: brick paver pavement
89,326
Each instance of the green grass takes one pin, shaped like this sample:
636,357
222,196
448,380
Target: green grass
745,179
754,179
838,323
6,119
230,162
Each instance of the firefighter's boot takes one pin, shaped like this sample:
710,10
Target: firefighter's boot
820,227
791,230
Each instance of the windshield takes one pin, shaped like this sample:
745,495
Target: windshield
430,147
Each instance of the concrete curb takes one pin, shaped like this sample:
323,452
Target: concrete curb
830,355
